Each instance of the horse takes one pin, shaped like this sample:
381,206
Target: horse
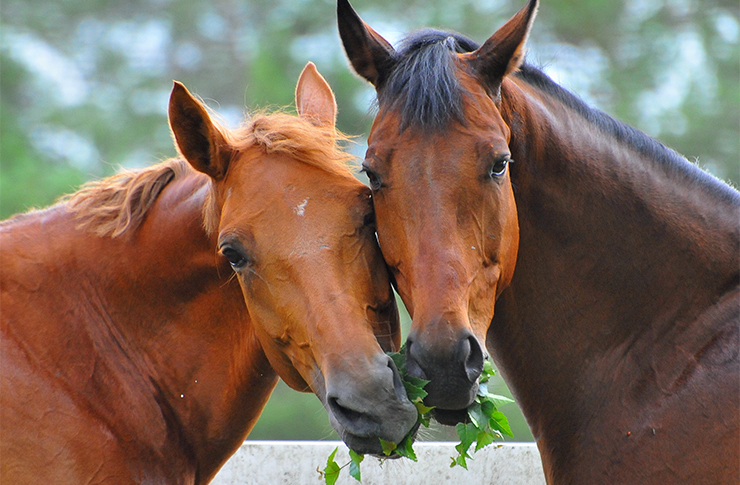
607,289
147,317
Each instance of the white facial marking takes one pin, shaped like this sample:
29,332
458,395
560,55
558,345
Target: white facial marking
300,209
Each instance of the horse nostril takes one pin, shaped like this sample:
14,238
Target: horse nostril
474,359
413,368
359,423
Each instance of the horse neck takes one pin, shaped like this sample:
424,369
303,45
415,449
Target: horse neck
213,373
163,332
620,253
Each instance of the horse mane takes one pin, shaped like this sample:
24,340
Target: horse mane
118,204
423,80
424,87
672,162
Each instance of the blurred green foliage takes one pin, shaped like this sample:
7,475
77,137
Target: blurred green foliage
84,87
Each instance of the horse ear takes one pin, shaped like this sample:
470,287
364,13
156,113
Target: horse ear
196,137
503,52
314,98
370,54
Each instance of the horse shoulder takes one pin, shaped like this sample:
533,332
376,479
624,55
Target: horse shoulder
690,433
66,406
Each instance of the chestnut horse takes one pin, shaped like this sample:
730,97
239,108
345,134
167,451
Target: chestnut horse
618,332
128,353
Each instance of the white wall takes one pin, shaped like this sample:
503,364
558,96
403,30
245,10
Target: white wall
295,463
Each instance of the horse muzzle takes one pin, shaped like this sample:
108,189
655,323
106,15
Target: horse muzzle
368,403
453,367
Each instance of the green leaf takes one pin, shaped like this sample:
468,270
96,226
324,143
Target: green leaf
416,381
421,408
354,465
477,417
406,449
467,434
331,472
499,422
414,388
498,400
488,371
459,461
388,447
400,361
484,439
487,407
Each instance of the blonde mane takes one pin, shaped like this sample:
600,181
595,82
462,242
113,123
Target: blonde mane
281,132
118,204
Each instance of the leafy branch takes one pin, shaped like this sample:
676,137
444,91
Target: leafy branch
331,472
486,425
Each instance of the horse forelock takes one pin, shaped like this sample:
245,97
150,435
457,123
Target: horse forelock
278,132
423,84
118,204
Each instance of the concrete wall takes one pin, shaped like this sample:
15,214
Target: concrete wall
295,463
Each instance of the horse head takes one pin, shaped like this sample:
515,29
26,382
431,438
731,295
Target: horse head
297,230
439,137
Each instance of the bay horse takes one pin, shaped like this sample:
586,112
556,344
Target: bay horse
618,331
128,352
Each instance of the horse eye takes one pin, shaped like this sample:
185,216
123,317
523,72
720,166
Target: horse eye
235,257
498,168
372,178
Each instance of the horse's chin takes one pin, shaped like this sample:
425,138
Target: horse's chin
363,446
370,446
450,417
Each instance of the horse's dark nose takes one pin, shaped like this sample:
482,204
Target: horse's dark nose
452,370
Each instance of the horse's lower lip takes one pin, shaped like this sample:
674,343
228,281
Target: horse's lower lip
372,446
363,446
450,417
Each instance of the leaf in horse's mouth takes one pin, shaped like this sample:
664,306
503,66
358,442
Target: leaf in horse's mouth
481,423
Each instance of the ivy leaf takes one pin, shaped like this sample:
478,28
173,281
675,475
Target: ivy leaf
487,407
483,439
400,361
467,434
476,415
421,408
416,381
414,387
488,371
499,422
460,460
354,465
388,447
498,400
406,449
331,472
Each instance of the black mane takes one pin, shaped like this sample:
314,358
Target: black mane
642,143
424,88
423,80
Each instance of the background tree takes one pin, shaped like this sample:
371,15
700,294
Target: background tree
84,86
